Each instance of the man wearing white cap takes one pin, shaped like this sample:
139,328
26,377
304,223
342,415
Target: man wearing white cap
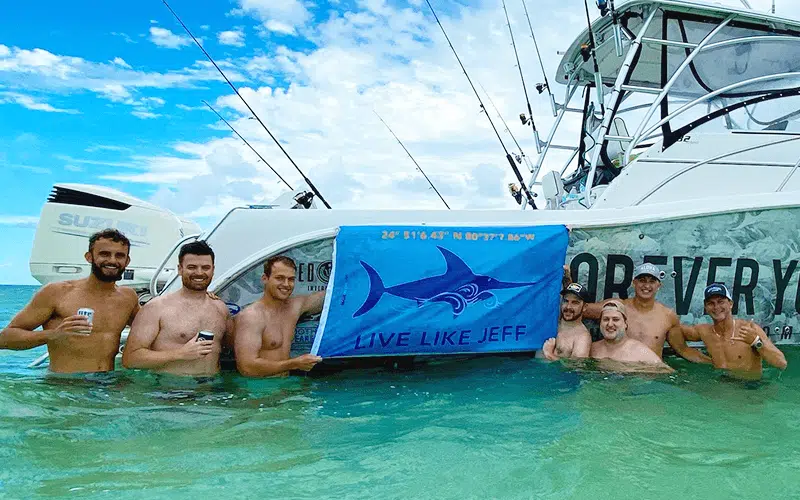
573,339
625,353
734,344
648,320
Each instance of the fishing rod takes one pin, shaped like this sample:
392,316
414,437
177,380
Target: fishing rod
598,79
508,129
540,87
248,145
529,118
510,159
412,159
306,179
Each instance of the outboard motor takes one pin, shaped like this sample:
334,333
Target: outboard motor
73,212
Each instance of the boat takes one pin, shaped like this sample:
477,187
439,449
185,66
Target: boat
687,158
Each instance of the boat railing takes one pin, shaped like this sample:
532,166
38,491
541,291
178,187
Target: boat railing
717,158
154,279
788,177
706,97
643,133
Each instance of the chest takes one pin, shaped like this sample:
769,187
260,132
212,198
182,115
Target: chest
723,351
651,324
181,324
111,312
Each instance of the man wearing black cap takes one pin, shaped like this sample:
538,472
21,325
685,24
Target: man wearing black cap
649,321
734,344
573,339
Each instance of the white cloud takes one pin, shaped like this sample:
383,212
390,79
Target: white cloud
145,115
184,107
153,21
121,62
286,15
167,39
44,72
72,168
19,220
204,27
32,103
124,36
279,27
106,147
234,38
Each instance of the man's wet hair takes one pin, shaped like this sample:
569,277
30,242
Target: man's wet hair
274,260
195,248
109,234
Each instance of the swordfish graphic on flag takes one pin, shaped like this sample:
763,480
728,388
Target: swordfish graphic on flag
458,286
417,290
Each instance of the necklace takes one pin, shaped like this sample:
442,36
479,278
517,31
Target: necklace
733,331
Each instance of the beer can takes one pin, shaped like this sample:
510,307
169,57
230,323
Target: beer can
88,313
205,335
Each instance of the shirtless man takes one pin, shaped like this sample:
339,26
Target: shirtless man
573,339
649,321
734,345
164,337
265,328
617,346
75,345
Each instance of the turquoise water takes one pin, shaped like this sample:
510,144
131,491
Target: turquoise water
485,428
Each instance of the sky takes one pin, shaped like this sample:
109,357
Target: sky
111,94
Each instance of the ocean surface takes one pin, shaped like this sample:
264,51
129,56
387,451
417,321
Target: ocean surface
484,428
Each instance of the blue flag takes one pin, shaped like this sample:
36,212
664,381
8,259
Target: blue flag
441,290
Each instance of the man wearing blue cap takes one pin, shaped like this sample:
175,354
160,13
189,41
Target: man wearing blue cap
573,339
734,344
649,321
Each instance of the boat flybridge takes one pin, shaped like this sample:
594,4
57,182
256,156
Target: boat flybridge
687,158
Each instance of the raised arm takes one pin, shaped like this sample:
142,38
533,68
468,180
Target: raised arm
138,352
769,352
247,346
21,331
312,303
677,337
592,310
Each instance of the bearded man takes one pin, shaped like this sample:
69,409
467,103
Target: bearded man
181,333
78,343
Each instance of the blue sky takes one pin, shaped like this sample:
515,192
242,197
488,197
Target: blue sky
110,93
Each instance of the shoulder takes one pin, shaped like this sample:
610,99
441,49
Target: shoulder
219,306
128,294
155,303
56,289
298,301
666,309
250,313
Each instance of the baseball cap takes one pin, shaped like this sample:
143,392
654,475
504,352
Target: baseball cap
648,269
717,289
577,289
613,305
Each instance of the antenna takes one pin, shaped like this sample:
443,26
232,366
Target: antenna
412,159
249,146
510,159
524,88
306,179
